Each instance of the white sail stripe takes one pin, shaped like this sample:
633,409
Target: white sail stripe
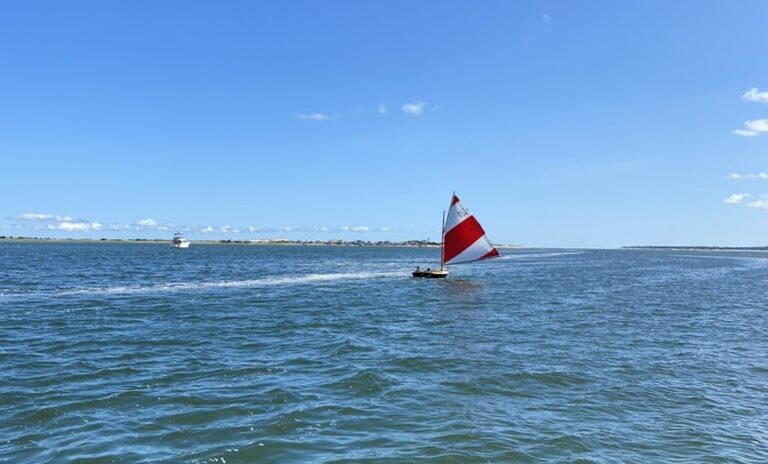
456,215
477,250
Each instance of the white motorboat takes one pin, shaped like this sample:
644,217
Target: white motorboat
179,241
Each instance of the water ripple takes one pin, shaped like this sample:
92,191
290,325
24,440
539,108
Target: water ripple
136,353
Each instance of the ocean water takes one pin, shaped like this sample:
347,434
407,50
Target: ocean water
139,353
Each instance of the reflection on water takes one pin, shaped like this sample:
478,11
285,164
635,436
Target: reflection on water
462,289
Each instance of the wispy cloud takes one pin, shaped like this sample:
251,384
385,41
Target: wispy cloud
318,117
754,95
759,204
546,19
745,133
414,109
737,198
753,128
262,230
67,226
147,223
52,222
219,230
36,217
212,229
140,225
43,221
757,125
759,175
41,217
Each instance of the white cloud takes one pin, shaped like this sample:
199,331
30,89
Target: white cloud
147,223
42,217
759,204
305,229
55,222
75,226
759,175
382,109
50,222
757,125
737,198
36,217
219,230
753,128
754,95
118,227
318,117
358,229
414,109
140,225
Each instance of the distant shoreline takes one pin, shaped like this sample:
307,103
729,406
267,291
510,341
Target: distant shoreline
345,243
693,248
282,242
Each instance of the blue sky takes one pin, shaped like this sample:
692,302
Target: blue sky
573,124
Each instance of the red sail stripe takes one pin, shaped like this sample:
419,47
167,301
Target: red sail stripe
491,254
461,237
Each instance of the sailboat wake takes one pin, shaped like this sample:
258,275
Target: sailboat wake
170,287
514,256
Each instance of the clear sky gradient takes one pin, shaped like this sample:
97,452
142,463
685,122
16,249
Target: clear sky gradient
568,124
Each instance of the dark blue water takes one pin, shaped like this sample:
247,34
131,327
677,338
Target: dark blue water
243,354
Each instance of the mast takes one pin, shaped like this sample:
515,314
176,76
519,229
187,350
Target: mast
442,235
442,243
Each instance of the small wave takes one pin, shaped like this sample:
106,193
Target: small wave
757,261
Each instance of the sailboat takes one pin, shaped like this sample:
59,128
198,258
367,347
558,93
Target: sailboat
464,240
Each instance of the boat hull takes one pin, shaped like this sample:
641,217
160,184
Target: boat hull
181,245
436,274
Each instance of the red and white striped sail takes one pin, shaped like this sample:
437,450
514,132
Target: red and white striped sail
464,238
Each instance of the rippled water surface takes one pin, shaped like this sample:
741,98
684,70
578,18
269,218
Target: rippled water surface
243,354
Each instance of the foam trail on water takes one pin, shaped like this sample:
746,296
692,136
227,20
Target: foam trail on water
197,286
537,255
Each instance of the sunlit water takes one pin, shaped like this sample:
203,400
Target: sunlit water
243,354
